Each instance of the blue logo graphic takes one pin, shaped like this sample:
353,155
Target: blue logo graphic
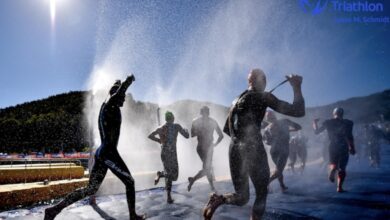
313,6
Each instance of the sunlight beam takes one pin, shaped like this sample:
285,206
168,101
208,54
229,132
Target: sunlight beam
53,12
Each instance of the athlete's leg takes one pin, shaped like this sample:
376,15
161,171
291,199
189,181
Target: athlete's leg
171,168
275,159
342,171
280,167
292,157
239,174
159,175
203,155
333,163
259,174
303,156
118,167
209,168
97,175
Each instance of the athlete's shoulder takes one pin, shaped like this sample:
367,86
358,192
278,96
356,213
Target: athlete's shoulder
196,120
268,95
239,97
328,122
177,125
348,122
214,123
213,120
161,127
284,120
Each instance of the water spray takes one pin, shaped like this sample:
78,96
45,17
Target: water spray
158,116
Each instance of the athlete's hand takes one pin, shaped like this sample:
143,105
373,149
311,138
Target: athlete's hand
295,80
130,78
352,151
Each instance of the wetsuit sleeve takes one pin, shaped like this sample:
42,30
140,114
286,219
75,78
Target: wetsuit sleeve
122,90
183,131
293,125
322,128
226,127
350,138
125,85
296,109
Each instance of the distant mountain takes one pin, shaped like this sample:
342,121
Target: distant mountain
361,110
57,122
365,109
53,123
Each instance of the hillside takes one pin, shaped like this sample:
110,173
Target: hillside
57,122
52,123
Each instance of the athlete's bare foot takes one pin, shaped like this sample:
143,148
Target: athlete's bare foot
50,213
157,179
138,217
92,200
332,174
340,190
284,188
170,200
190,182
214,202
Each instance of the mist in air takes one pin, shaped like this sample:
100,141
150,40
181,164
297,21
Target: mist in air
208,58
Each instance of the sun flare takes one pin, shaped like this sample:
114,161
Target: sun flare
53,11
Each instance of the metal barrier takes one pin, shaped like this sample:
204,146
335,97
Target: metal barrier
31,161
46,162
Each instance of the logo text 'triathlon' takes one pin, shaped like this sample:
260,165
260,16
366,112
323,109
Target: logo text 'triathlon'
357,6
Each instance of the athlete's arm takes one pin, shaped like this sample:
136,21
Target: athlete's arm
226,127
122,89
293,126
297,108
183,131
152,136
125,85
350,139
267,135
194,130
315,126
264,124
219,132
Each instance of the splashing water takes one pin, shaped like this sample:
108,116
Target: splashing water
209,63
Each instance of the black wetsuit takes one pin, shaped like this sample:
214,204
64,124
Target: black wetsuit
168,135
203,128
340,133
247,155
107,155
298,149
278,136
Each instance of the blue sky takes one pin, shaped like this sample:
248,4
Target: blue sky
199,50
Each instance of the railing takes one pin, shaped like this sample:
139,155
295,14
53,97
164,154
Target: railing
51,161
31,161
46,162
